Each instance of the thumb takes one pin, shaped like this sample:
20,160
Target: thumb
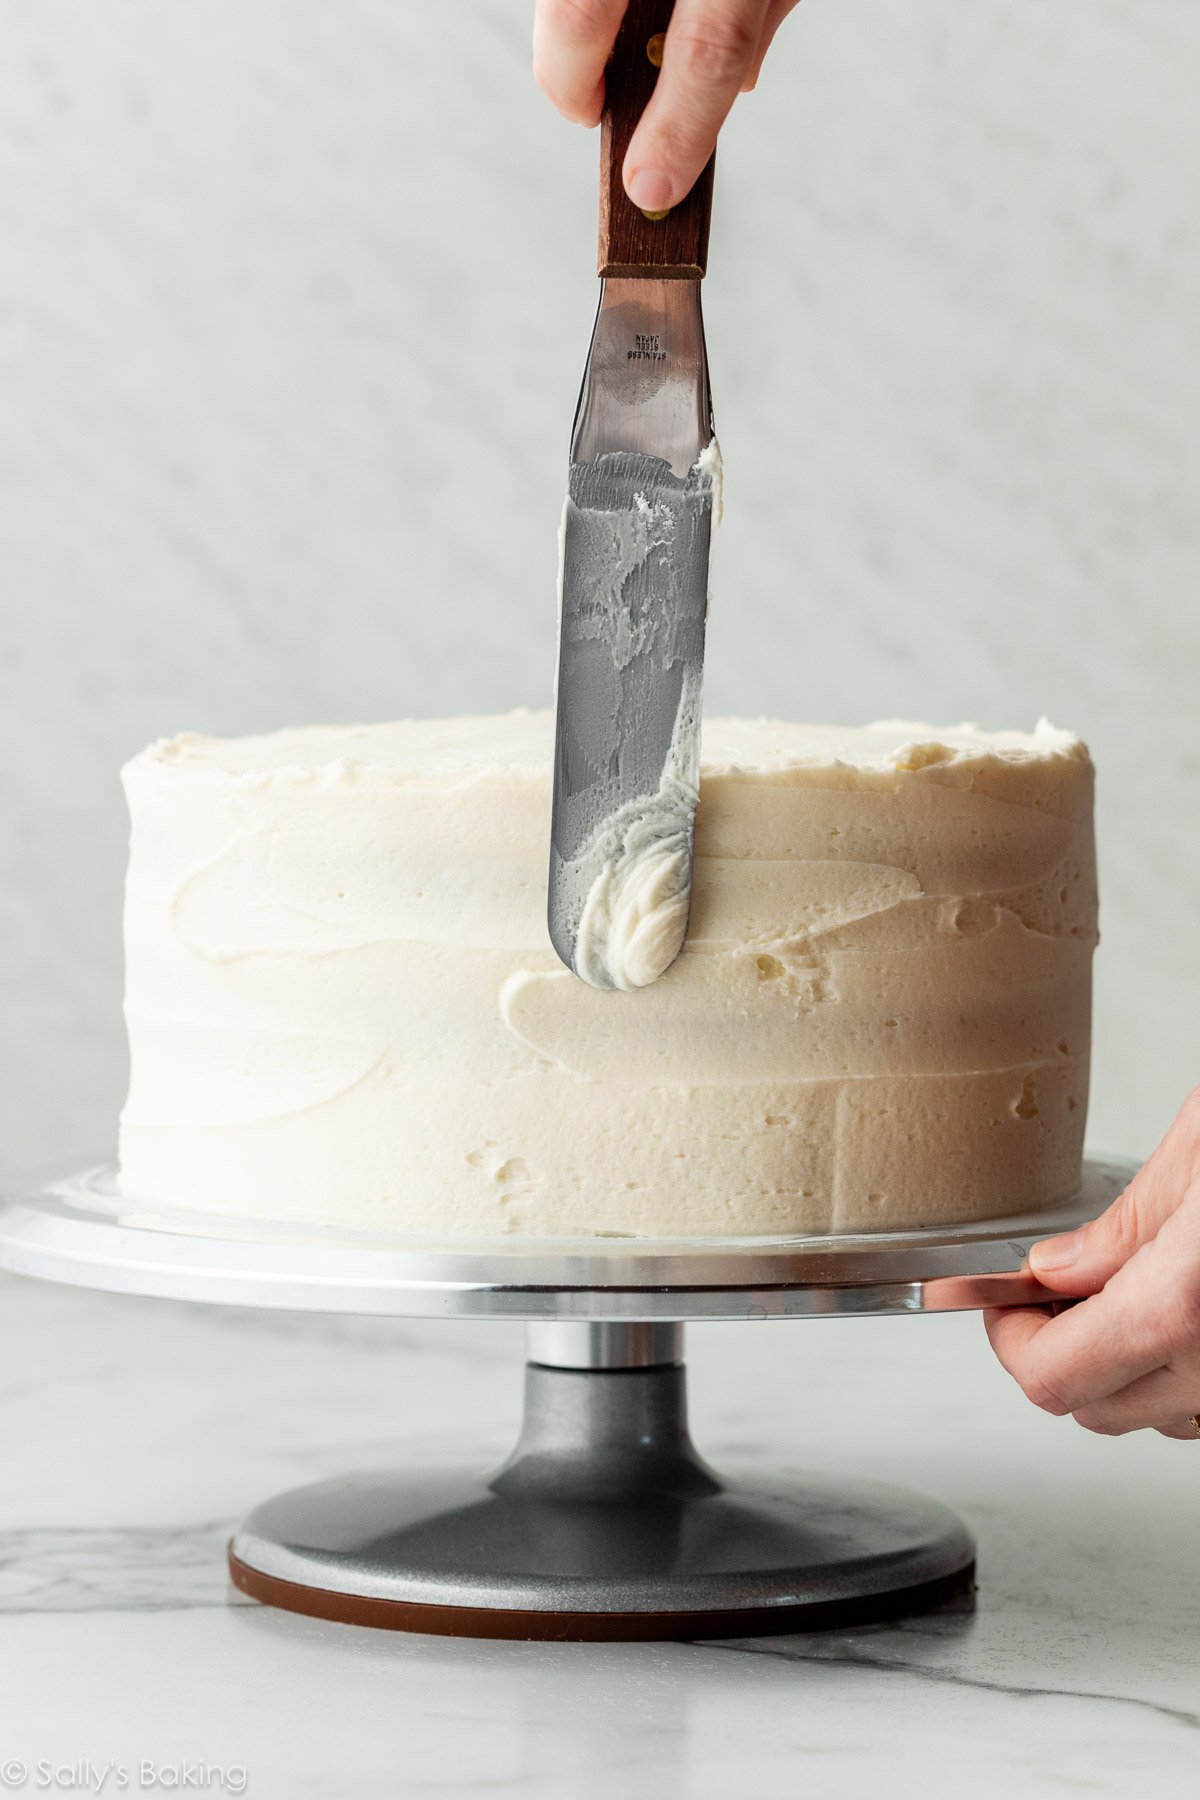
1081,1262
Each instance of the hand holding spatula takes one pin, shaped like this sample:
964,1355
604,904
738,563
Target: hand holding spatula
644,472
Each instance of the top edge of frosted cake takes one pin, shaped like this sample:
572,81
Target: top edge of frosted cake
519,745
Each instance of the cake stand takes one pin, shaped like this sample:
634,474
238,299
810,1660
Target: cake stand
604,1522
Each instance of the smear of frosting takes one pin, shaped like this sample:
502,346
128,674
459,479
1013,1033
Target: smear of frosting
635,917
709,463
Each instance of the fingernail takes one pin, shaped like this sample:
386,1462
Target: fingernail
650,190
1057,1252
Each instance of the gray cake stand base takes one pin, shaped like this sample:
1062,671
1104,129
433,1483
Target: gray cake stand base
605,1523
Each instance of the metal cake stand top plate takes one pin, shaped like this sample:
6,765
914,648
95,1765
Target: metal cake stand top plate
78,1228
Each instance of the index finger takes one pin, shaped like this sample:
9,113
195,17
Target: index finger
710,49
572,41
1012,1331
1090,1350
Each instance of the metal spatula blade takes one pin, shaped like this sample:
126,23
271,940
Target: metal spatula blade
634,575
634,593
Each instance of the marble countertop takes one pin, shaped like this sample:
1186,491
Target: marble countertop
137,1431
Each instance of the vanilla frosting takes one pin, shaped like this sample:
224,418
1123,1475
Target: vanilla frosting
635,916
343,1006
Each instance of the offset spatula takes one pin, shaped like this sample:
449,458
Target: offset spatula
634,570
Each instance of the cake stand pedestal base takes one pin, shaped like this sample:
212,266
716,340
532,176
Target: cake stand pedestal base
604,1523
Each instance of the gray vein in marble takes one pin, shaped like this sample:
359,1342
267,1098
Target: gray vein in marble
843,1652
135,1568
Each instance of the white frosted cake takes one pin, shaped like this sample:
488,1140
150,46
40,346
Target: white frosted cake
343,1007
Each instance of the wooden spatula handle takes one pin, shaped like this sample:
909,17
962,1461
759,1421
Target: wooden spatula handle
630,243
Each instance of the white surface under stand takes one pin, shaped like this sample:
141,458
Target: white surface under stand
604,1522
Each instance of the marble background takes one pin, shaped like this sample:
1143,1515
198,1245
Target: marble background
293,304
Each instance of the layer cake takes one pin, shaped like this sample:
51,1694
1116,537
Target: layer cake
343,1008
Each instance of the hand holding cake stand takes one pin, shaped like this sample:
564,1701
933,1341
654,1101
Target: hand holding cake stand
604,1523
